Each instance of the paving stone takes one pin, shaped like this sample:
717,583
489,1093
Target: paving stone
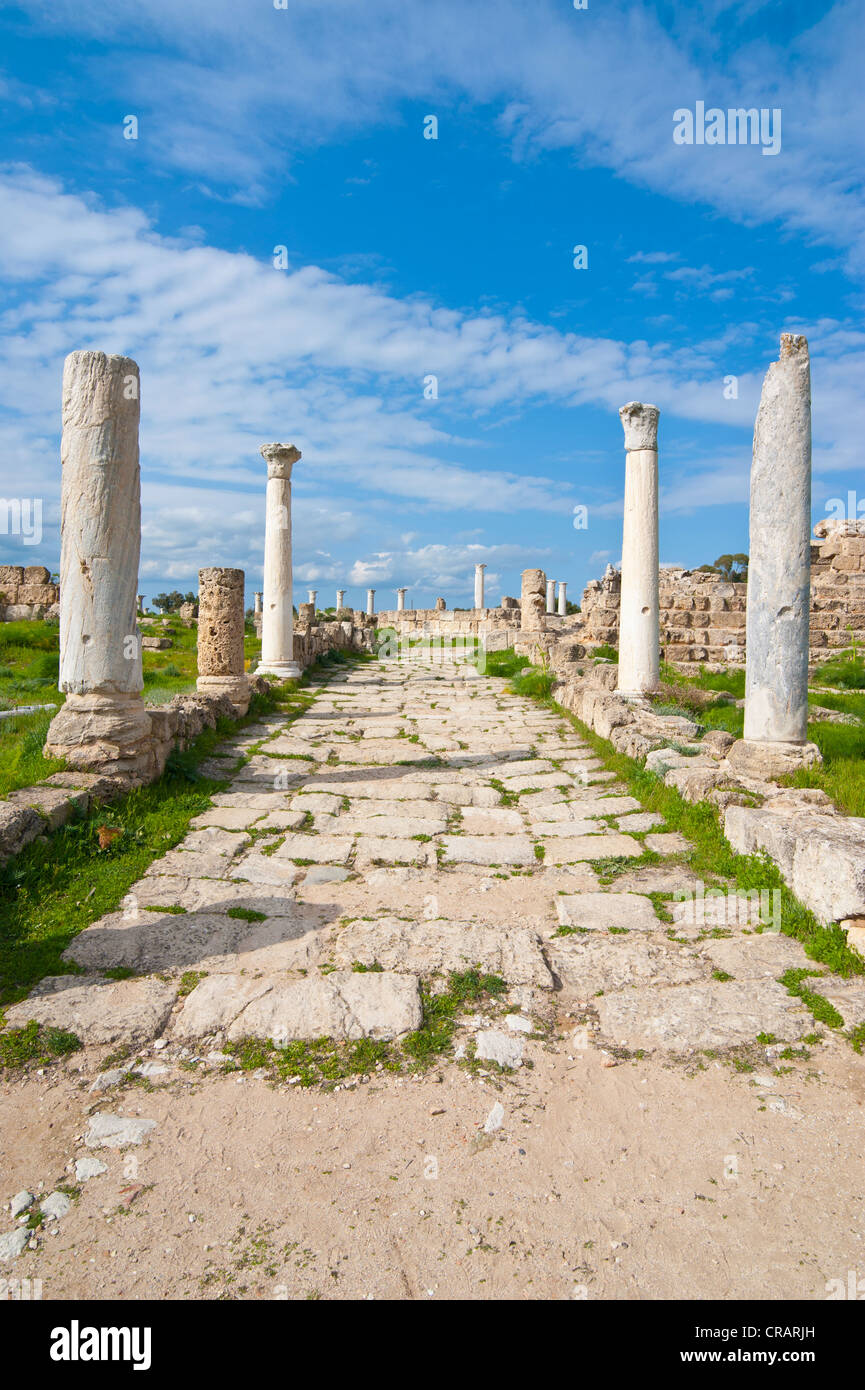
131,1011
320,849
671,842
601,911
679,1018
214,841
389,850
600,962
536,782
488,849
400,827
320,802
564,829
609,805
758,956
638,821
479,820
437,947
324,873
228,817
187,864
282,820
340,1005
605,846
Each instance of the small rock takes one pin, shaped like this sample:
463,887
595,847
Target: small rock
20,1202
151,1069
105,1131
518,1024
55,1205
87,1168
106,1079
13,1243
495,1046
494,1118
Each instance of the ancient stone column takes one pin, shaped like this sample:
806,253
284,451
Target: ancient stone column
551,595
400,600
306,613
257,601
103,725
340,599
277,625
533,600
639,627
563,601
220,636
440,605
312,595
142,601
779,574
370,603
479,585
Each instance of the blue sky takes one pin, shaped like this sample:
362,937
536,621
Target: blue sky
303,127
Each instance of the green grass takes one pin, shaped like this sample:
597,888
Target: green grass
846,670
34,1045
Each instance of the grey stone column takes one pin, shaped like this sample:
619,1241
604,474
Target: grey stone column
479,585
563,601
639,618
400,600
370,603
779,574
141,603
103,725
533,601
220,636
277,625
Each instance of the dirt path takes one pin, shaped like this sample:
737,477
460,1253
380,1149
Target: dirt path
635,1115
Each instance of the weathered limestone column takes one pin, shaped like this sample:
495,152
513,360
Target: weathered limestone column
277,625
340,599
563,600
306,614
779,574
479,585
103,726
141,602
220,636
551,595
639,626
312,595
257,602
400,600
370,603
533,600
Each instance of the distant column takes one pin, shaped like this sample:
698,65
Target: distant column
340,599
479,585
103,725
220,636
142,601
370,603
551,595
779,574
639,626
257,600
277,626
563,602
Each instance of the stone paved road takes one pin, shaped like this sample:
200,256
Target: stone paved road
419,819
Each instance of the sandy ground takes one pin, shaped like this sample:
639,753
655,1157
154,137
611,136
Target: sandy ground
637,1181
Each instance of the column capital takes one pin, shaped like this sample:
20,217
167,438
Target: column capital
640,423
280,458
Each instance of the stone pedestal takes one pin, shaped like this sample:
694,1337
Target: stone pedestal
551,595
400,600
639,628
533,601
277,626
479,585
779,574
370,603
563,602
104,726
220,636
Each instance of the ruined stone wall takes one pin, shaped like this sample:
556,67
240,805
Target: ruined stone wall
444,622
703,617
27,593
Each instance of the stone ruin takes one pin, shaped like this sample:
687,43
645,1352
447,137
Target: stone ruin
26,593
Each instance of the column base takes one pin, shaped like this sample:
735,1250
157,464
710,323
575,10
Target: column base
765,761
283,670
109,734
235,687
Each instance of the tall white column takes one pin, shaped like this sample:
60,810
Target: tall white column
370,603
563,601
257,599
479,585
312,595
551,595
779,574
639,626
141,603
103,725
340,599
400,600
277,626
